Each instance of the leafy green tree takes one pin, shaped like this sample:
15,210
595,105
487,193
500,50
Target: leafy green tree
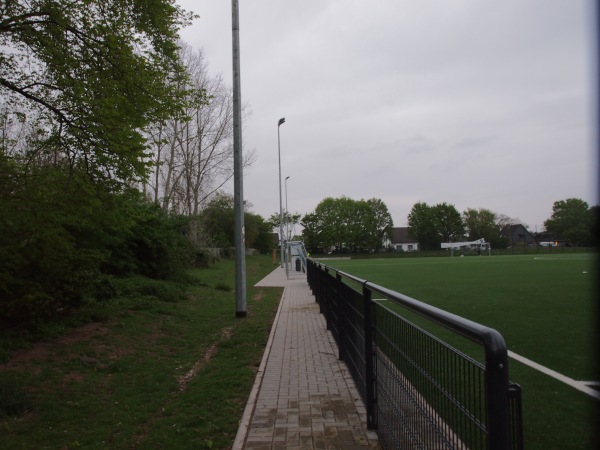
93,73
381,223
61,235
432,225
218,219
449,222
332,230
347,225
258,233
422,225
358,219
483,223
572,220
595,225
311,233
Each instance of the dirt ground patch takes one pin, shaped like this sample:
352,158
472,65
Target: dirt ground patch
207,356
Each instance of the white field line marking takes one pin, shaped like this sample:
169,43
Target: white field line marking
579,385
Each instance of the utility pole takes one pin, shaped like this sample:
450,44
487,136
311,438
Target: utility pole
238,179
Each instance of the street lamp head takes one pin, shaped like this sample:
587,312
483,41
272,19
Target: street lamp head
286,178
281,121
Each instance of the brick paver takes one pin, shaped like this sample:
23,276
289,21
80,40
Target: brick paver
304,397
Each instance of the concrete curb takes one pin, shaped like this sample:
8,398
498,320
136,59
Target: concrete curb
242,433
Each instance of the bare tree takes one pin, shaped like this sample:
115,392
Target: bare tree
192,155
13,130
503,221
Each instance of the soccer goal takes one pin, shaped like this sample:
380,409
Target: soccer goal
477,247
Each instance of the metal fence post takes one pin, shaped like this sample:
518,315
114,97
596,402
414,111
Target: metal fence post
341,317
324,303
496,387
369,366
318,285
516,416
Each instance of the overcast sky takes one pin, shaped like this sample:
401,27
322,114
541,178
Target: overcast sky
477,103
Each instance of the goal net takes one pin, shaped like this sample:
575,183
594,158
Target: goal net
477,247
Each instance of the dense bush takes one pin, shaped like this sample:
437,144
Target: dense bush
62,235
218,221
44,269
146,240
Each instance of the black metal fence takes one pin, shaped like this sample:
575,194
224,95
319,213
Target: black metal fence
515,250
419,391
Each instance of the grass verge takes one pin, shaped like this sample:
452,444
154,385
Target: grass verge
167,367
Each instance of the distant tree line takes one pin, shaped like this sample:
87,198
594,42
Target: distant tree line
572,221
350,226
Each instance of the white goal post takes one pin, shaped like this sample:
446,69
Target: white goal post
478,246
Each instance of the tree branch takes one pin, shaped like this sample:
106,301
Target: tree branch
13,87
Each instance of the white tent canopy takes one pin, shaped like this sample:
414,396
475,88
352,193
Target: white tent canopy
469,246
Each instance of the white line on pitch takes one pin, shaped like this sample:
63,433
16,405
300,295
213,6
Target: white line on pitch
579,385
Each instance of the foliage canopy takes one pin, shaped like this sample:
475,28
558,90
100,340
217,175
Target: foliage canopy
63,236
574,221
432,225
347,225
218,220
483,223
91,74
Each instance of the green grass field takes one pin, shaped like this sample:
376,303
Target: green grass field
545,306
156,373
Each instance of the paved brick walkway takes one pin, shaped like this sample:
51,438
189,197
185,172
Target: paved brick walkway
303,397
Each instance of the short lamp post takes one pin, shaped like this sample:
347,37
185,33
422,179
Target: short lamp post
281,122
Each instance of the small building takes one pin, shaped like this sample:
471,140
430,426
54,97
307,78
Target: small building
403,241
517,236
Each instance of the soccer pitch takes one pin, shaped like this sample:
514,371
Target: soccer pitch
545,306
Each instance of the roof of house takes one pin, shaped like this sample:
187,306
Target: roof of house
401,235
508,229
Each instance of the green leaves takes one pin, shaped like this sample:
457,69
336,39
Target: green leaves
483,223
347,225
218,219
93,74
432,225
574,221
62,236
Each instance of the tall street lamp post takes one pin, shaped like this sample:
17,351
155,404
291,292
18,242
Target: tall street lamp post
287,214
281,122
238,177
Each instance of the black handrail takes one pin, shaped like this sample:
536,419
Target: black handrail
496,386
